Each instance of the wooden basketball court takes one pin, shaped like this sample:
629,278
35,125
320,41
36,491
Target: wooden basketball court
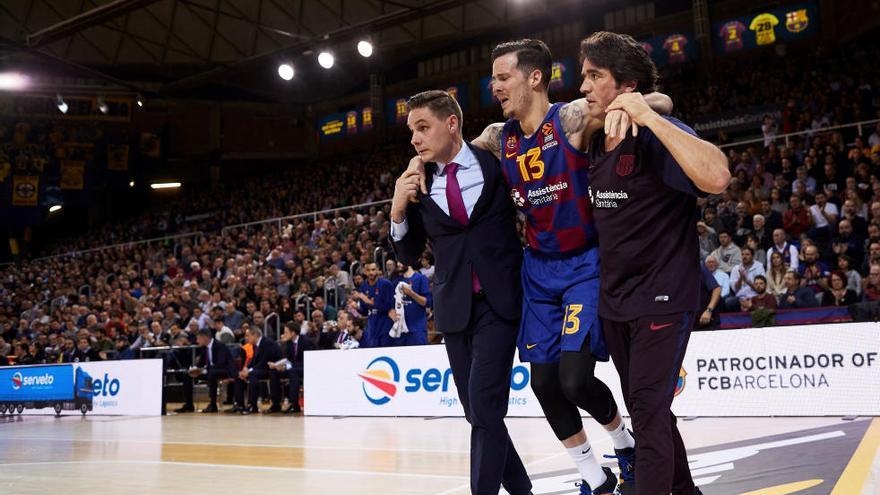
219,454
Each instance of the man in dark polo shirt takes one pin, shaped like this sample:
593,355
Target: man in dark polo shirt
644,190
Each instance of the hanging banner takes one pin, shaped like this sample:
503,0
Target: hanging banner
72,174
766,28
25,189
367,119
151,145
117,157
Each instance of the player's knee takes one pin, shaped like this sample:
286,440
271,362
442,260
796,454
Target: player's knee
544,379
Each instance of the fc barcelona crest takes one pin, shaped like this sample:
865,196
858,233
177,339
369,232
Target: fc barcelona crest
796,21
625,165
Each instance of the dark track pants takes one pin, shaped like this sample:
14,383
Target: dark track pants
648,353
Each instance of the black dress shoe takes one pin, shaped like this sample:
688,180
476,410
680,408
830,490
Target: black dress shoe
249,410
187,408
210,409
234,410
292,410
272,410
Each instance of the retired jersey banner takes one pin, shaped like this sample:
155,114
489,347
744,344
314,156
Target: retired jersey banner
746,372
117,157
672,48
25,190
151,145
72,174
766,28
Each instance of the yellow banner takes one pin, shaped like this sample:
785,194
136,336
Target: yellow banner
72,174
25,189
117,157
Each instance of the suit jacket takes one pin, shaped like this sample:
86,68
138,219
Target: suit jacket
220,355
90,355
489,243
267,351
302,345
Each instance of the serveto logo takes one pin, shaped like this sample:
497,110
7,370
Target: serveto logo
19,380
380,380
679,385
16,380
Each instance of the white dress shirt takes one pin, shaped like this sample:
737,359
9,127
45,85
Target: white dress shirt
470,180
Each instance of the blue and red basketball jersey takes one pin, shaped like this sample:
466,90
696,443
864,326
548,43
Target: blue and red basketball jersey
549,182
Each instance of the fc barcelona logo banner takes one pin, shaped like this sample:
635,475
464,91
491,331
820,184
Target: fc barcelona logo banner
25,189
117,157
72,173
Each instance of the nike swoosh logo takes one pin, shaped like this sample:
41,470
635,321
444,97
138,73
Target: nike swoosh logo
509,155
655,327
529,346
586,451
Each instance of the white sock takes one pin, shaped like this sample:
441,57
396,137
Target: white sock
590,470
621,437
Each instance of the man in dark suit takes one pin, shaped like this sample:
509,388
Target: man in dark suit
293,347
213,363
469,219
84,352
266,351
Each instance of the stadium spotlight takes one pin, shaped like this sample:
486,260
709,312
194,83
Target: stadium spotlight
365,48
102,105
59,102
165,185
325,60
54,208
13,81
131,183
285,71
140,100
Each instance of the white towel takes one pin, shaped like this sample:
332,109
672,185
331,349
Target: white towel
399,328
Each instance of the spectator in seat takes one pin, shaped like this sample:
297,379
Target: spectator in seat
762,299
84,352
742,280
838,294
123,349
775,275
762,232
873,257
708,239
846,243
853,279
233,317
795,296
813,271
728,254
797,220
223,333
785,249
760,254
824,215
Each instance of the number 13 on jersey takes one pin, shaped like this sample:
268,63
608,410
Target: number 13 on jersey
530,165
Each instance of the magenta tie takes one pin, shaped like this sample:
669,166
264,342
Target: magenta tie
457,210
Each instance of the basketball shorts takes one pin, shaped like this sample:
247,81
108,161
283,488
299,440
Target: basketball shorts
560,306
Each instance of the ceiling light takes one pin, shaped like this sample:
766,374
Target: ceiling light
165,185
54,208
59,102
325,60
285,71
13,81
365,48
102,105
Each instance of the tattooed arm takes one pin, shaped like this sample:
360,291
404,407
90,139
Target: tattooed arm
490,139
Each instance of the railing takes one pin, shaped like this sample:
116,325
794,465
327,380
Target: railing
821,130
277,325
131,244
313,214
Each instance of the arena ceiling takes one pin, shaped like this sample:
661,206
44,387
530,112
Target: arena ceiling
230,49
